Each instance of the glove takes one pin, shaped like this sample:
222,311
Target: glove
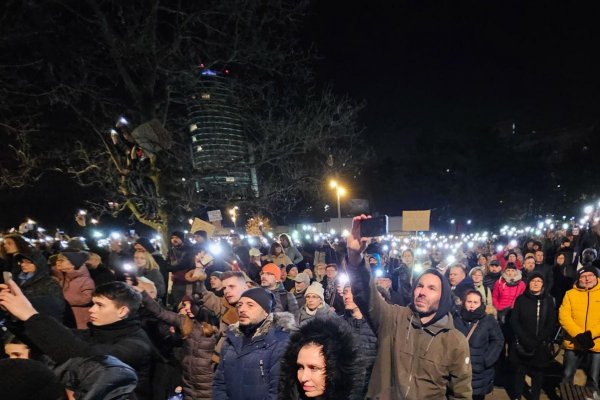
584,340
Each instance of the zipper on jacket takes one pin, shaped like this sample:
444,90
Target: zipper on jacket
537,319
262,370
587,309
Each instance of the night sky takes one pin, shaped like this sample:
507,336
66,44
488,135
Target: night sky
430,64
423,65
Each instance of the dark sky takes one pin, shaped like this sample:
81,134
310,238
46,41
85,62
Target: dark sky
425,64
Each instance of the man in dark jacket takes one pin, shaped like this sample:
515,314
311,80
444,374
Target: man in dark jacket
250,358
420,354
181,259
114,330
270,278
99,272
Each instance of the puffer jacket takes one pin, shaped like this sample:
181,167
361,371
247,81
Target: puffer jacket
198,349
413,362
580,312
249,368
366,342
302,316
77,287
485,344
504,294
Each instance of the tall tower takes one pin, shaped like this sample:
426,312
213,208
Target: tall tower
219,148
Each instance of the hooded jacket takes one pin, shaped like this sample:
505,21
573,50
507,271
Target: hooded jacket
580,312
506,292
414,361
249,367
43,291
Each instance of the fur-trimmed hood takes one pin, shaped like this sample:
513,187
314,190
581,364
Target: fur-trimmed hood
283,321
339,351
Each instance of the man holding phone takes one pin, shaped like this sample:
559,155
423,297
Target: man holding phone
420,354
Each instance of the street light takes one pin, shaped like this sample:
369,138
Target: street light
340,191
233,212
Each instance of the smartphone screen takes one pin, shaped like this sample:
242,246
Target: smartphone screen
373,227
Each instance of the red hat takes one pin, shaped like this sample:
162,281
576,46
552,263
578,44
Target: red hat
272,269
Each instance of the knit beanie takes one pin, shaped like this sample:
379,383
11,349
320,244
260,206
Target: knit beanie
272,269
146,244
28,379
587,268
77,258
315,288
179,234
262,297
289,267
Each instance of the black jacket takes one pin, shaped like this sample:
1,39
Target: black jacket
366,351
532,328
124,339
485,345
284,300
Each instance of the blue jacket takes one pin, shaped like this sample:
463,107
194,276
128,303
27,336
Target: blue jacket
249,369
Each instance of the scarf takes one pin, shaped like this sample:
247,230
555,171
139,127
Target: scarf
475,315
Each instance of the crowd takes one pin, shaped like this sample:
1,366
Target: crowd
270,318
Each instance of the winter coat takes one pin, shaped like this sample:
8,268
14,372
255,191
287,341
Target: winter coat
302,316
366,347
335,300
284,300
533,321
124,339
249,367
77,287
101,275
180,259
197,351
414,361
564,278
225,312
486,293
156,277
504,294
43,291
490,279
299,297
279,260
580,312
485,344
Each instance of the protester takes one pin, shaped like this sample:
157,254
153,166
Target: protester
331,296
290,250
290,273
420,354
270,279
99,272
181,259
314,306
216,284
506,290
320,363
564,278
579,316
365,342
77,285
533,321
301,283
277,256
199,339
251,354
492,275
114,330
485,341
29,379
146,266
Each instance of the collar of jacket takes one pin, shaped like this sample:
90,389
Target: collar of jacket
125,327
230,316
594,289
441,325
266,333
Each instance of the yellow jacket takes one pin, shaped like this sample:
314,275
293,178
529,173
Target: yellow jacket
580,312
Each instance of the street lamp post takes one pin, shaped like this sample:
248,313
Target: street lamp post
339,191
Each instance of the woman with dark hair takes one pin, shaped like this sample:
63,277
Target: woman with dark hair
485,341
564,277
533,321
319,362
289,249
277,256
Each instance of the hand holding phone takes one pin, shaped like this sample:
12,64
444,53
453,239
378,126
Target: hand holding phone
372,227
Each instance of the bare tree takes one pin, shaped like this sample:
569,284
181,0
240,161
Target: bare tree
71,69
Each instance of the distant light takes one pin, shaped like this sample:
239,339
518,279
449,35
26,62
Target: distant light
97,234
270,234
588,209
115,235
208,72
451,259
499,247
94,221
127,267
565,226
513,243
452,221
332,231
469,222
548,221
343,279
386,247
418,268
378,273
123,121
191,221
345,233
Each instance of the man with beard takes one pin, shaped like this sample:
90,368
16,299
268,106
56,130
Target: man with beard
270,279
250,358
420,353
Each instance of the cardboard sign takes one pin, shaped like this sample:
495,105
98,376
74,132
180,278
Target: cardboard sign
200,225
215,215
413,221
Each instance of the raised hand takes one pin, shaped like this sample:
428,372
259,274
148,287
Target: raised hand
355,243
14,301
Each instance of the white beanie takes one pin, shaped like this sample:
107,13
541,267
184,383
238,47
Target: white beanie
315,288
